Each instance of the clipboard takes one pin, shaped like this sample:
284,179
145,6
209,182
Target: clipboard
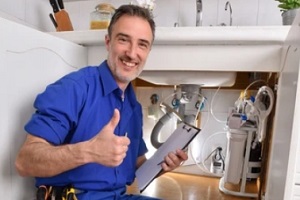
179,139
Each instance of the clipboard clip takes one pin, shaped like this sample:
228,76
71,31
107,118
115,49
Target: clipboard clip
188,129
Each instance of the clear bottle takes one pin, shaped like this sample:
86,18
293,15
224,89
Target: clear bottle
100,18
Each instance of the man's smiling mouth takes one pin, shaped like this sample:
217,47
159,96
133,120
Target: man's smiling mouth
129,64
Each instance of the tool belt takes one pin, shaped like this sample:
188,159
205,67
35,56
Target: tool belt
56,193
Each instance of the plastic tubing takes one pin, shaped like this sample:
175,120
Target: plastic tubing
203,167
211,107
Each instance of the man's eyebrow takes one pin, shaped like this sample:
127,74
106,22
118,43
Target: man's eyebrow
122,34
127,36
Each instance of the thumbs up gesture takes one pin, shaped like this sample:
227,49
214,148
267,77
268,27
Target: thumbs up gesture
106,148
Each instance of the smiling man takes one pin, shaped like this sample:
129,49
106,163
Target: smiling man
128,46
86,137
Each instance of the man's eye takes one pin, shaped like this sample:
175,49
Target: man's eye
144,45
122,39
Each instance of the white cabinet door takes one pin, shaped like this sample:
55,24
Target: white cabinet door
29,60
286,128
293,173
296,190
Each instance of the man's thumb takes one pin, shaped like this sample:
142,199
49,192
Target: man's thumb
115,119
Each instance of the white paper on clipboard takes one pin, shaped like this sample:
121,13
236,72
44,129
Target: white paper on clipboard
179,139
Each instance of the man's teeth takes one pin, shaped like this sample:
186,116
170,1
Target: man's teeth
129,64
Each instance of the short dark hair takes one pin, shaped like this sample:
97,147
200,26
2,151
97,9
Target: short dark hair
132,10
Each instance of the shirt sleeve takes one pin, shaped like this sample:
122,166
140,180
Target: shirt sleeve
57,110
142,148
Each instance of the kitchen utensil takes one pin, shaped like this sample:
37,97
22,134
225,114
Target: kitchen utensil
62,19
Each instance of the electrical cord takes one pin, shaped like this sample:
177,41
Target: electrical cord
43,48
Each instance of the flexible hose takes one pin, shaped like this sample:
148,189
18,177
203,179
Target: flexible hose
156,130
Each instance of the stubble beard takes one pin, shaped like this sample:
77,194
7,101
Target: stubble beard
126,79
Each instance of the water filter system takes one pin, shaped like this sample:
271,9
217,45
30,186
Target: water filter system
246,130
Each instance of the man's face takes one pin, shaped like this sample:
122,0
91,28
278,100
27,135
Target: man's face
128,48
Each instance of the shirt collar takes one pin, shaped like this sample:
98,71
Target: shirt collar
109,83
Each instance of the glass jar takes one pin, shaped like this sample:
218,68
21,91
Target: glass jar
100,18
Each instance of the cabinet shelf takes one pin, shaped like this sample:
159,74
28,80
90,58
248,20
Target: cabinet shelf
218,35
209,56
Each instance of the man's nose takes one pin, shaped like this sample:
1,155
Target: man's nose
131,51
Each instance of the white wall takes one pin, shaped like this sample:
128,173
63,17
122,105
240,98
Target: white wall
29,60
35,13
168,12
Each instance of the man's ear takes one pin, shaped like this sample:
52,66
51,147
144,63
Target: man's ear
107,41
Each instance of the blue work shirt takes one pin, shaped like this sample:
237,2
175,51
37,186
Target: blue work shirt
74,109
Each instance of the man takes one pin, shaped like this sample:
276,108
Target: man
87,128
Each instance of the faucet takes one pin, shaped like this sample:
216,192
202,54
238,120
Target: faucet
230,9
199,13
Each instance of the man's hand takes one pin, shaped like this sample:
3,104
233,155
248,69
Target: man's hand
40,158
174,160
107,148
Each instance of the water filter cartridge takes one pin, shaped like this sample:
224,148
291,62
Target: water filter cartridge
235,155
